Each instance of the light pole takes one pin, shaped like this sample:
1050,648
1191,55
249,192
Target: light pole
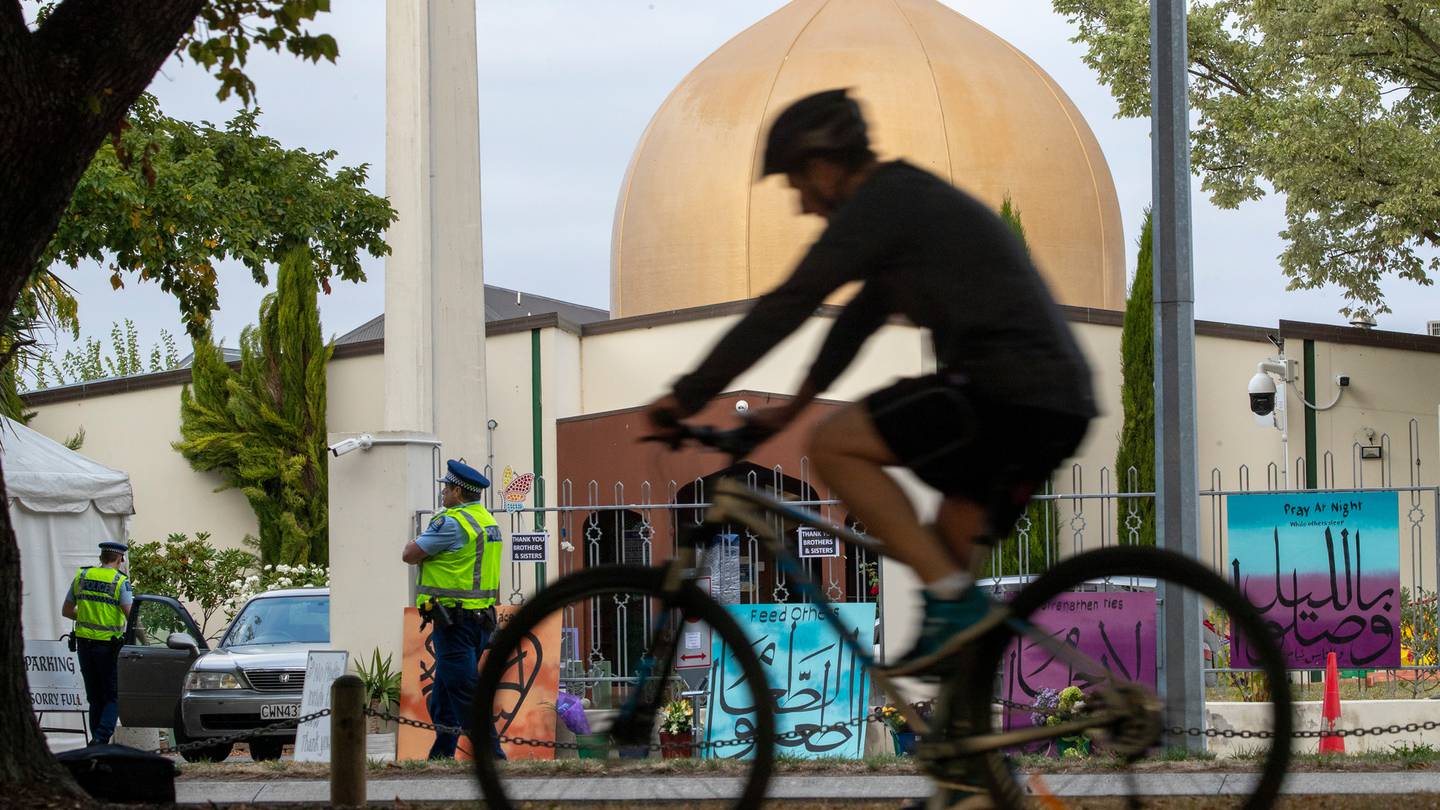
1176,472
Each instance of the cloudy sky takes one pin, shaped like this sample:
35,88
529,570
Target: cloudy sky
567,86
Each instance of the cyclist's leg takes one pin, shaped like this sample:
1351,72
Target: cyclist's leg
850,457
961,522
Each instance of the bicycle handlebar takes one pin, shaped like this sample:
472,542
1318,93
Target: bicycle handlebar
735,442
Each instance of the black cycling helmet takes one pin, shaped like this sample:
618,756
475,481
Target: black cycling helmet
827,124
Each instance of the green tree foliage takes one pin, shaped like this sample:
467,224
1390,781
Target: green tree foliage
1332,103
263,427
1025,549
1137,394
93,363
167,199
190,569
45,303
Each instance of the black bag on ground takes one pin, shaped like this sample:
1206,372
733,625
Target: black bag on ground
119,773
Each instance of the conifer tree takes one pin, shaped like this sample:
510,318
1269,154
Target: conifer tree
1137,396
263,427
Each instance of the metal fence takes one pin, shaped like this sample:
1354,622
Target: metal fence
595,524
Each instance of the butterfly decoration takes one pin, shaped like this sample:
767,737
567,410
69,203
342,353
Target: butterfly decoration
516,488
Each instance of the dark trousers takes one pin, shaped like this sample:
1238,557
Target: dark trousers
457,656
99,664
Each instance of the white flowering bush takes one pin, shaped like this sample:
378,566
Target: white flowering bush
274,578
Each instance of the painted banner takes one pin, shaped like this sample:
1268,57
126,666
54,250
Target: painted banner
532,681
1324,570
812,672
1115,629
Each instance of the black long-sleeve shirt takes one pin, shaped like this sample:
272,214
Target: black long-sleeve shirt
941,258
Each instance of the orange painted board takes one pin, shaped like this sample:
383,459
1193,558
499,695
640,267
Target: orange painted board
532,681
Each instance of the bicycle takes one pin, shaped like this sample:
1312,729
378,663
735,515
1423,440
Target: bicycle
974,728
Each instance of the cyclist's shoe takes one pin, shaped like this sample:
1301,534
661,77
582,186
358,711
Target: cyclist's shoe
949,625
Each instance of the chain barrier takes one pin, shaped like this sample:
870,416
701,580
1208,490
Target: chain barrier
1247,734
798,735
240,736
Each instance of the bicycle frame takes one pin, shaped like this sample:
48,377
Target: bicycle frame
736,503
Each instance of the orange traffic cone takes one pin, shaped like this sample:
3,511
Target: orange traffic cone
1331,743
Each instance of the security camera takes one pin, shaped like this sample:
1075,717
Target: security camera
741,406
1342,380
1262,394
362,442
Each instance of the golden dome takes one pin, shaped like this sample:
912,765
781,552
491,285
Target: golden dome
692,227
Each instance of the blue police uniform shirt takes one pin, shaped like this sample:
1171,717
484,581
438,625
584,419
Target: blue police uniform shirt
444,534
126,596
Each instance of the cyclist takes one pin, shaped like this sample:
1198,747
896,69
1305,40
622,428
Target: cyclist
1011,398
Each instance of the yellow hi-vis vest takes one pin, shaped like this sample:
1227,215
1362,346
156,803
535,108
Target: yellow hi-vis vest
468,576
98,614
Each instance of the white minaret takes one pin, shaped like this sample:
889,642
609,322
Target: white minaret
381,496
434,284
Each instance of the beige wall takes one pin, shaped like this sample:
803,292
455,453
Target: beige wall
623,369
1388,389
629,368
132,431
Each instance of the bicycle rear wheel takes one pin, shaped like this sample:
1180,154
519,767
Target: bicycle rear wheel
621,603
1071,603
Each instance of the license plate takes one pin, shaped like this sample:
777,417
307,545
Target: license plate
279,711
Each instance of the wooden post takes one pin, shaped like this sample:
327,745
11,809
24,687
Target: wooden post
347,742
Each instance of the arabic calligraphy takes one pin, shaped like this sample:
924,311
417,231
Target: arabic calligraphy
1113,629
1324,571
813,679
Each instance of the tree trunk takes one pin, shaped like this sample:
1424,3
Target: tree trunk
63,88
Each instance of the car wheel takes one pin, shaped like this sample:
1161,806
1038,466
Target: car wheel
266,748
216,752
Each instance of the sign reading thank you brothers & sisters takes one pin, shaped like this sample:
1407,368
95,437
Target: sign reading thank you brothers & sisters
1324,570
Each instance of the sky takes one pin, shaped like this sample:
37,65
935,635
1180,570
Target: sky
567,86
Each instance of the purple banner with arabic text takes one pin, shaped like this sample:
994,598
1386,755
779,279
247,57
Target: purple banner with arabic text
1114,629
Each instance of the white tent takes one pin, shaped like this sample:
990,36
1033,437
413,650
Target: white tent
62,505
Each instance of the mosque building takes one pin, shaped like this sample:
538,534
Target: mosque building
696,238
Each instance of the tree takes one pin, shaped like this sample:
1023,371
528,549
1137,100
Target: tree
1137,394
93,363
46,302
1024,551
190,569
1332,103
66,86
263,427
168,199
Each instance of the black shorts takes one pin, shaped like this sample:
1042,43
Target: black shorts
997,454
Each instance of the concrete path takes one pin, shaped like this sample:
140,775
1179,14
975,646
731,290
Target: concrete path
688,788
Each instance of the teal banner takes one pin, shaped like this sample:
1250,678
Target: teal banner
814,674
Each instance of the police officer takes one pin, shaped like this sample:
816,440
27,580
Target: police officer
457,561
99,601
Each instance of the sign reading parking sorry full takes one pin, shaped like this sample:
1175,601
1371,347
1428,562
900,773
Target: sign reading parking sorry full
54,677
529,546
815,543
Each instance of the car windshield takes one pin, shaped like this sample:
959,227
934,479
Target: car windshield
282,620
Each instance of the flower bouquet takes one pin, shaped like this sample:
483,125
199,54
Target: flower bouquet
677,729
1053,707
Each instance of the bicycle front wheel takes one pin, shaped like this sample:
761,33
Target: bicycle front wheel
1092,624
616,619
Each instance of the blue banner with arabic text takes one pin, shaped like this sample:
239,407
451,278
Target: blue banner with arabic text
813,673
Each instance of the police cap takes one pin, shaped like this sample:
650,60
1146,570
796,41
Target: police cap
464,476
111,545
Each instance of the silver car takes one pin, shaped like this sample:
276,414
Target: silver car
253,677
